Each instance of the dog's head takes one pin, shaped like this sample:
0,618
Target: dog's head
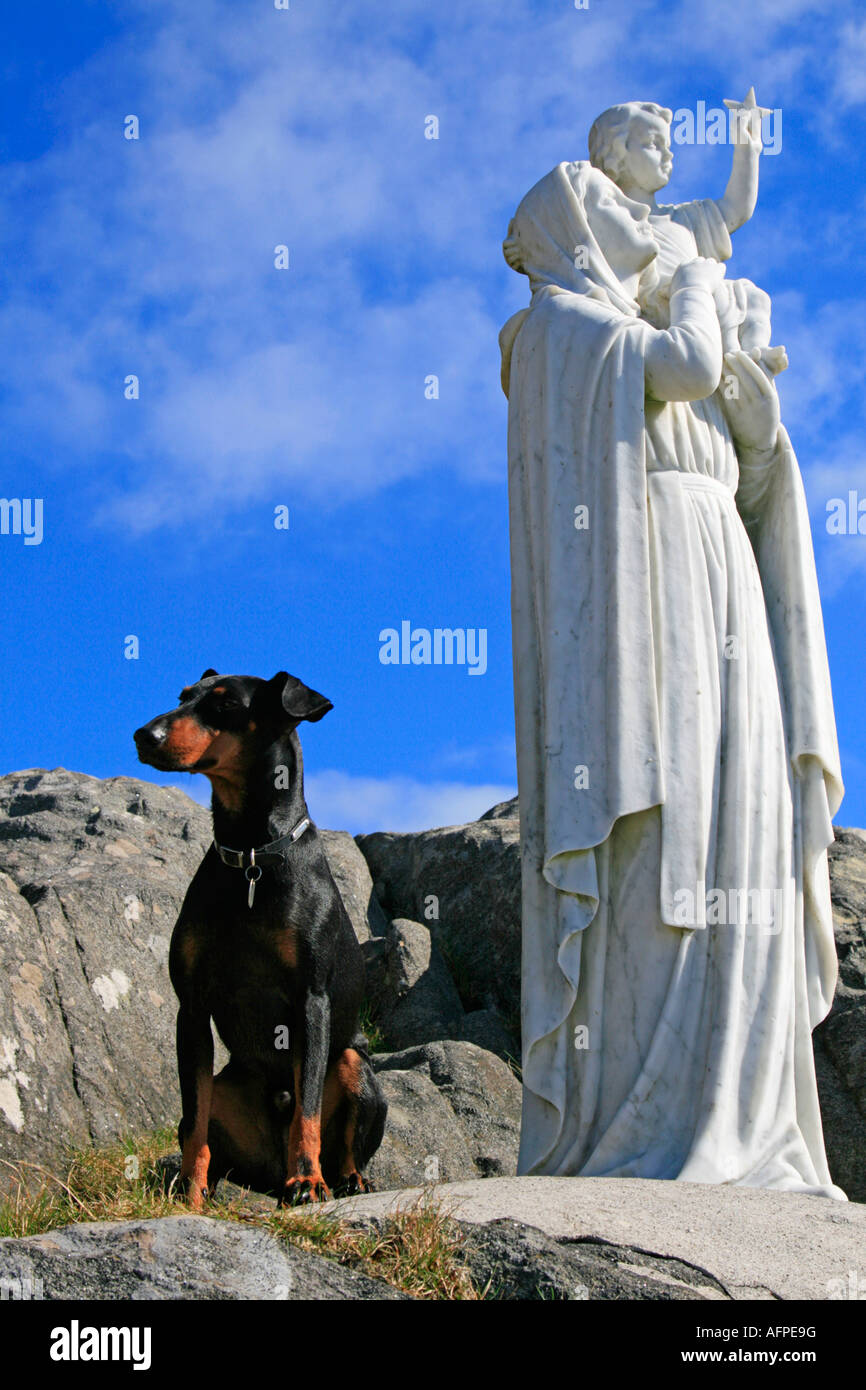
221,722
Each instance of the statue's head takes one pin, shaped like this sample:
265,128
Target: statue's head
631,144
576,230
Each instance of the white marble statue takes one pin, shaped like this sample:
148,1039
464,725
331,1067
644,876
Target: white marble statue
677,758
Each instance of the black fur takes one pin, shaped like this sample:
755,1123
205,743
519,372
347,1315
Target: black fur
291,961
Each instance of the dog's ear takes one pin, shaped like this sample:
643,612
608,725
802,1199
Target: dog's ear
297,700
205,675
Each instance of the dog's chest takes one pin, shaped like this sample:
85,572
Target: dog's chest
252,991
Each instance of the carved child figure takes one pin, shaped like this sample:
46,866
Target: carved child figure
631,144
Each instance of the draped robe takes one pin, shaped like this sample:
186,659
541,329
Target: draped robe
676,744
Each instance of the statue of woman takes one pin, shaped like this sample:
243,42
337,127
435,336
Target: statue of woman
678,767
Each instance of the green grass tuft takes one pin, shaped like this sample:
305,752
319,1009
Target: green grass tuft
370,1026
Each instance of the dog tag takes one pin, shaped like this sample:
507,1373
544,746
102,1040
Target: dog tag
253,874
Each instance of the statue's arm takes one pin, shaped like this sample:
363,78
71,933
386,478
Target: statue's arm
757,469
684,362
741,194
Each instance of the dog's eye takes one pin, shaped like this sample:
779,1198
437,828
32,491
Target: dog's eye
225,709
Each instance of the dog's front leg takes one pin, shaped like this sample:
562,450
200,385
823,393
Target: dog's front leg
304,1181
195,1068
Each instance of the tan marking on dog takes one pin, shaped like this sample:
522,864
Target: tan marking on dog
349,1071
305,1142
190,949
196,1154
187,741
229,776
240,1110
287,948
343,1083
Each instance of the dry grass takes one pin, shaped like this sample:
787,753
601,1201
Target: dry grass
115,1183
416,1251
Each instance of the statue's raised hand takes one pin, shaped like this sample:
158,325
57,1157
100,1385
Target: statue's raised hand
750,401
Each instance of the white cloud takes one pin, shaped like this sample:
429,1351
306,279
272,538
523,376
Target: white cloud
261,127
342,801
850,65
491,752
826,349
839,557
323,417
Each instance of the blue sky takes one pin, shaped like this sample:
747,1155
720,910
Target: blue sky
305,387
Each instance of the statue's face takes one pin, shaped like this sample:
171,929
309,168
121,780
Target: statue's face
620,225
648,150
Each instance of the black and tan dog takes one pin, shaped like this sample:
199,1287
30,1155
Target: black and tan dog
264,947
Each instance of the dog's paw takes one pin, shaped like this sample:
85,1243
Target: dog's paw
194,1195
301,1191
353,1185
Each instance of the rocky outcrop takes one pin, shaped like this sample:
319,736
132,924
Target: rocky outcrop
353,880
562,1239
94,875
454,1113
463,883
174,1257
840,1041
410,987
848,890
509,1260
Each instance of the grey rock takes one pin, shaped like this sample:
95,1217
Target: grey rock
473,873
166,1170
844,1036
487,1029
483,1093
40,1107
423,1141
755,1242
175,1257
409,987
847,858
355,885
844,1125
840,1041
509,1260
96,872
503,810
